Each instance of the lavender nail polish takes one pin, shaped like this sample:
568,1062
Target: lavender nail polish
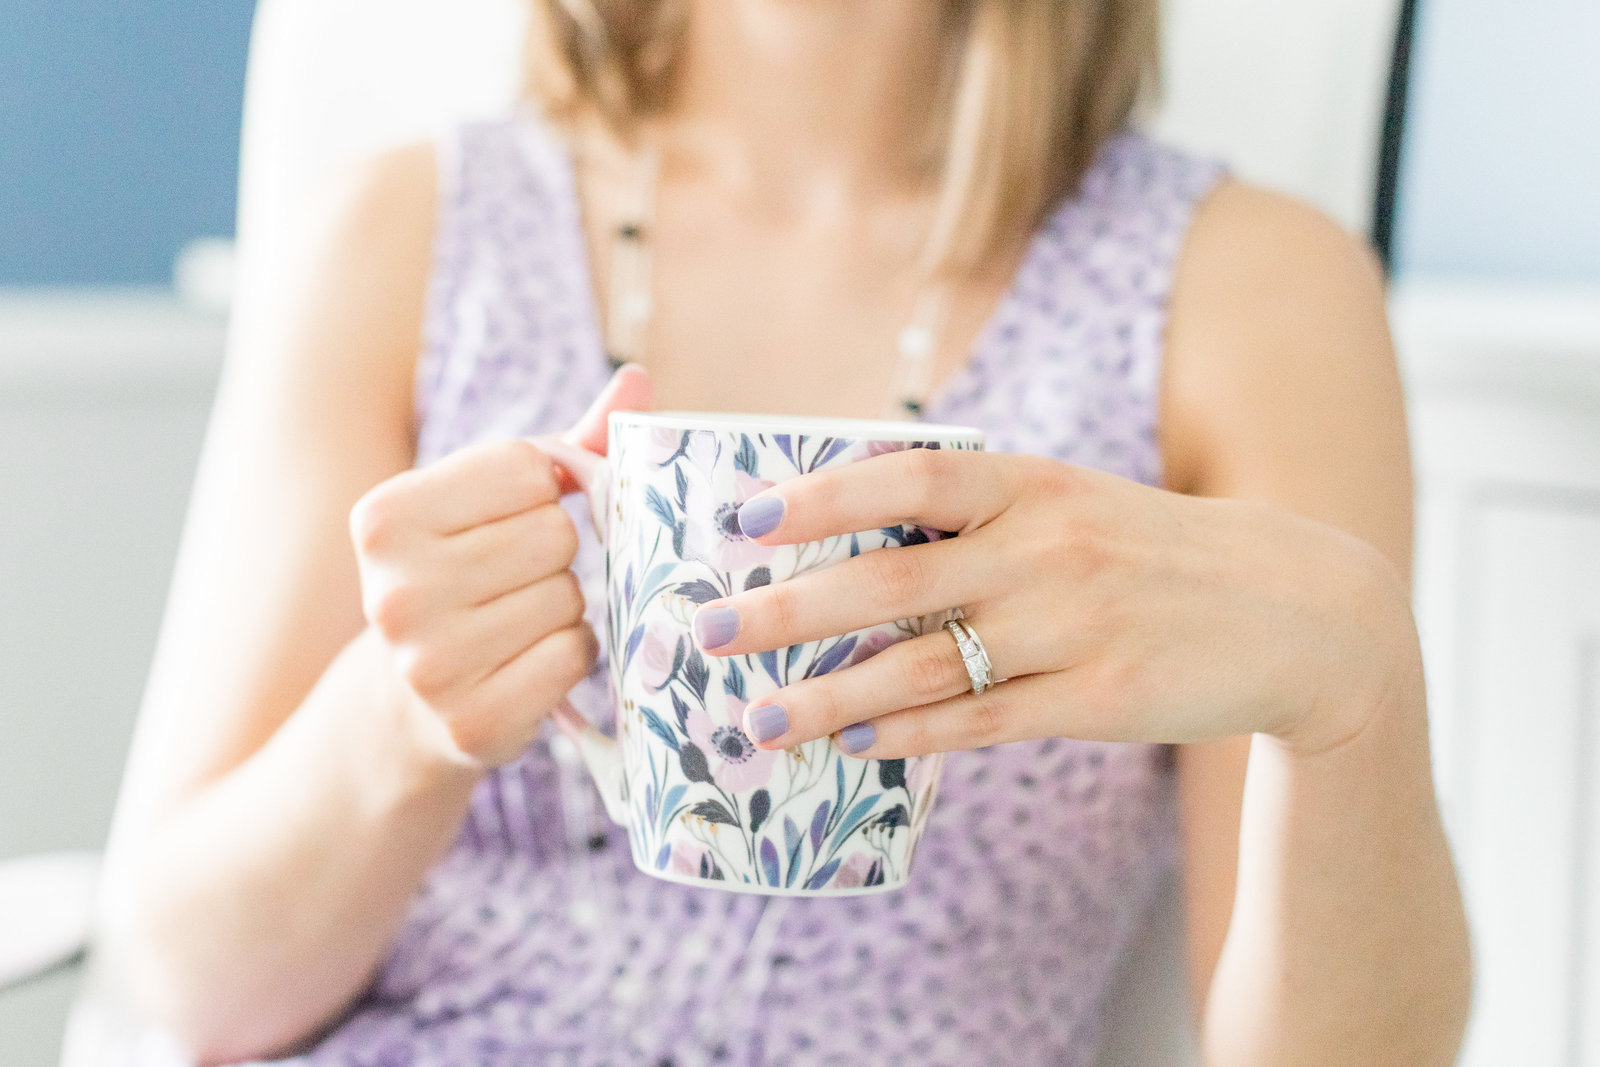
858,738
761,516
765,722
715,627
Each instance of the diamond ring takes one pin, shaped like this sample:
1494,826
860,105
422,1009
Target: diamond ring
973,655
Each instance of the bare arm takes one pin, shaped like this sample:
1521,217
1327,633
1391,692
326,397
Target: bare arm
1326,924
298,770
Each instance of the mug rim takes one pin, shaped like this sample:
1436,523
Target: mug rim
800,425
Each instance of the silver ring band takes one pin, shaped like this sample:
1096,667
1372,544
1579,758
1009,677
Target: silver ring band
973,655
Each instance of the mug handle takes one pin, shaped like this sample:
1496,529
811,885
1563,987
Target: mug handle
602,755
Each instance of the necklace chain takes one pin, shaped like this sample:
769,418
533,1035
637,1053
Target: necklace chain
631,300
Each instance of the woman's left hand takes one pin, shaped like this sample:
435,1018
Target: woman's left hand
1116,611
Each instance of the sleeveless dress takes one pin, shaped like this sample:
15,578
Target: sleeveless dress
535,941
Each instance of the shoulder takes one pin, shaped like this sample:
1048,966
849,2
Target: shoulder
383,202
1283,249
1277,315
331,297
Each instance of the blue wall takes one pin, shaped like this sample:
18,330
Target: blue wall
1502,163
119,135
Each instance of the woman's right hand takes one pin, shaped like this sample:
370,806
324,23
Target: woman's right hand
466,578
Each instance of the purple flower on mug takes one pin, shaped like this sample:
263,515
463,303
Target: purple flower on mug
687,859
871,645
655,656
852,873
922,774
737,765
663,445
723,544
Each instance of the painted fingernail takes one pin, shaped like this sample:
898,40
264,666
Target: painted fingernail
761,516
764,722
715,627
857,738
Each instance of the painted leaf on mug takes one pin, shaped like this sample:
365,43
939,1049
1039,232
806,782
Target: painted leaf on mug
714,811
660,507
699,591
745,458
760,805
791,841
693,762
659,728
769,861
733,680
831,659
819,880
819,822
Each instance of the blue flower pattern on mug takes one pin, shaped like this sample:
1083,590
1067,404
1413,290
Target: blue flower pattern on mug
713,806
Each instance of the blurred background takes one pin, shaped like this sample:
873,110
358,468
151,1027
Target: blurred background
119,163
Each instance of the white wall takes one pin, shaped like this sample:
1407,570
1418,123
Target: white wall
1502,165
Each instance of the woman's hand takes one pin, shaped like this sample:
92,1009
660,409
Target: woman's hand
1116,611
466,576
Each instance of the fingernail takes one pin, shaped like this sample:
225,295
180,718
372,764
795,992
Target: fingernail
764,722
761,516
715,627
857,738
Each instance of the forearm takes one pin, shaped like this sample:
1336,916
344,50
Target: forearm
1348,944
264,900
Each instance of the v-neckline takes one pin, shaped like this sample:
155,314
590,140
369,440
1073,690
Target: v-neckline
971,367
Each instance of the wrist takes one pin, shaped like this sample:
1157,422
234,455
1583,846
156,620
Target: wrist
409,753
1372,660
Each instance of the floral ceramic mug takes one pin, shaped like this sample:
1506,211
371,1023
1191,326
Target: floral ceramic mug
702,804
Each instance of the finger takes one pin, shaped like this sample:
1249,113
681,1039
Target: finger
465,489
495,633
630,389
466,646
1021,708
945,489
497,557
923,670
874,587
524,689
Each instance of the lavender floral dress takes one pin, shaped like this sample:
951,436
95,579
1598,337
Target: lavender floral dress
536,942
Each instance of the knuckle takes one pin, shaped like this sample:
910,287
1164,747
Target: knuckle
916,739
560,536
988,720
574,651
893,576
528,470
925,471
395,609
569,600
781,609
378,515
429,671
929,669
825,709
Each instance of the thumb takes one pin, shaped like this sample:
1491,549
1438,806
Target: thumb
630,389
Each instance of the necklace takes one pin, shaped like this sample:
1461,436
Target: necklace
630,306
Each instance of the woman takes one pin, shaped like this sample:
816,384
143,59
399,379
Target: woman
345,835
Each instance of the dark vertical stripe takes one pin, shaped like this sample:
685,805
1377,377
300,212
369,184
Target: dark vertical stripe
1393,136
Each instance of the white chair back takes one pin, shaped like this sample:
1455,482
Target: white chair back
1291,94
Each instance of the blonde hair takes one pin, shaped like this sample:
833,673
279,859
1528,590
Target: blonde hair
1035,88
